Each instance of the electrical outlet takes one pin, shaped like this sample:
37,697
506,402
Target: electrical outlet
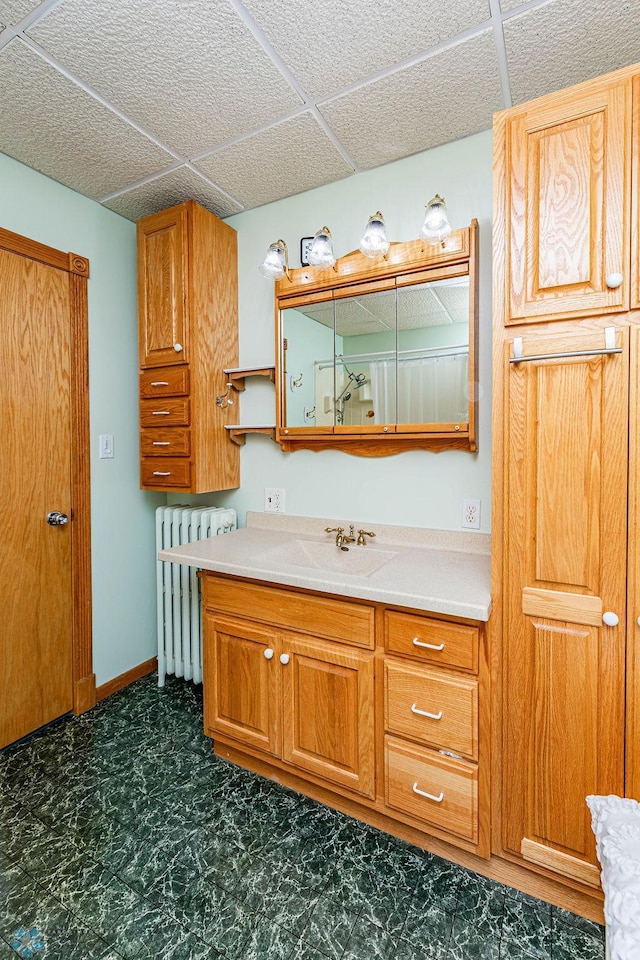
471,514
274,500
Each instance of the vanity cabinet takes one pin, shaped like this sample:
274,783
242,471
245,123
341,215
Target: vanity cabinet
565,471
375,710
188,333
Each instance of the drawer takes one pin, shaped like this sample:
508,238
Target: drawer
165,382
158,472
320,616
451,788
171,442
435,641
431,707
164,412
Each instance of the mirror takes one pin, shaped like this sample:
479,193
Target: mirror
392,360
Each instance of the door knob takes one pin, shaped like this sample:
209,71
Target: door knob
177,347
614,280
57,519
284,658
268,653
610,619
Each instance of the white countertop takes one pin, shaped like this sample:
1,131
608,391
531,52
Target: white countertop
436,570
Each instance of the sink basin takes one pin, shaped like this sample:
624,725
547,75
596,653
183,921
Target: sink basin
324,555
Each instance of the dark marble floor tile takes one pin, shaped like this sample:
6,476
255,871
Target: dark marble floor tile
148,933
427,928
480,905
268,941
570,942
468,942
368,941
527,923
214,916
560,916
329,927
439,882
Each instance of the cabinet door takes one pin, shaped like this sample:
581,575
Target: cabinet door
328,727
566,514
569,202
241,682
162,273
632,768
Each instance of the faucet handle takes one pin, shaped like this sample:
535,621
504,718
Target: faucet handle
361,536
334,529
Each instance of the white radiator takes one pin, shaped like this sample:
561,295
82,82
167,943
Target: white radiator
178,588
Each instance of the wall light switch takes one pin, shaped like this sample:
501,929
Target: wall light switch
106,446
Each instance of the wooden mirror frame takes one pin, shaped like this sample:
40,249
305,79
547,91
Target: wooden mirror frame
406,263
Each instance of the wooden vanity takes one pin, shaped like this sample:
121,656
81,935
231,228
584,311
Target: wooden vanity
379,711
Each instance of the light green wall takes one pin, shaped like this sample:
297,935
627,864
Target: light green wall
416,488
123,535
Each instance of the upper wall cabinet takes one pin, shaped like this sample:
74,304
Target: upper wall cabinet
379,357
188,335
566,235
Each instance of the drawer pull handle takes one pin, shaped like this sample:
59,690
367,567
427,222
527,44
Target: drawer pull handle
424,713
427,646
162,473
159,383
161,413
429,796
161,443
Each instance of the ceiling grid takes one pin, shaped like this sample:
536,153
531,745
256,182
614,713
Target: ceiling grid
237,103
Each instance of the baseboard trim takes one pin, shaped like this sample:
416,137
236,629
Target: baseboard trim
122,681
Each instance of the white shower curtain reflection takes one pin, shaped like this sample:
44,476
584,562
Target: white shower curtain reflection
430,390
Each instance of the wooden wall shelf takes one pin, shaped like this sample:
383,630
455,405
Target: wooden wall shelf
238,433
236,375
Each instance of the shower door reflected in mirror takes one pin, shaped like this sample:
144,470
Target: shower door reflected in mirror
308,350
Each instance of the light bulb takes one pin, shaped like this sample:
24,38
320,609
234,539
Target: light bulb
275,264
374,242
436,227
321,249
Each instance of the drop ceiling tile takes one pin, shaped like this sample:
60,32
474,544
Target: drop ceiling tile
52,125
442,98
169,189
328,44
511,4
567,41
13,11
288,158
190,73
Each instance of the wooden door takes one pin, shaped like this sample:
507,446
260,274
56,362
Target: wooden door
162,288
241,682
565,557
327,723
36,674
568,194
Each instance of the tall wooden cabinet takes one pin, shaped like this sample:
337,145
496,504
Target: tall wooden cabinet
188,334
566,567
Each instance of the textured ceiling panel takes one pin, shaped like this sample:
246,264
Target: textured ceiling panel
174,187
567,41
55,127
191,73
443,98
13,11
285,159
328,44
510,4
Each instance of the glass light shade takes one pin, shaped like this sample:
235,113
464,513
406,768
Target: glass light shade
374,242
436,227
275,264
321,249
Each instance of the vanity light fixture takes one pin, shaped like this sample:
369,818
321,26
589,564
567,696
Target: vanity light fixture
436,227
321,250
276,263
374,243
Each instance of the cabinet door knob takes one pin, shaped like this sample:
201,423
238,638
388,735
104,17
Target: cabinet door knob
614,280
429,796
284,658
268,653
610,619
638,621
177,347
